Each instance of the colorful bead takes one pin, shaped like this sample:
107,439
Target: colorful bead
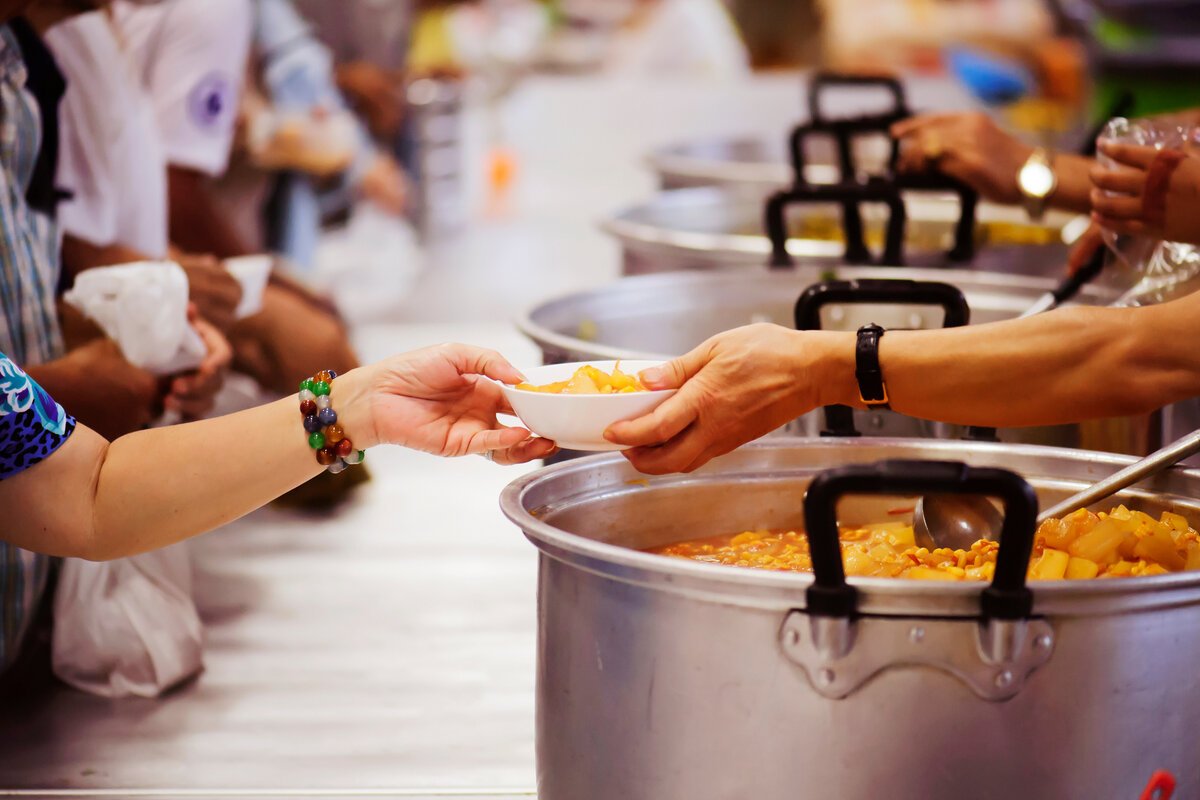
334,451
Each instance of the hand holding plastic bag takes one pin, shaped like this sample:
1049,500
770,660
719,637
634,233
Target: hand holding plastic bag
143,308
1131,201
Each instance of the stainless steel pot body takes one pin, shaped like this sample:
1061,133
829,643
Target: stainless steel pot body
719,228
748,161
664,679
663,316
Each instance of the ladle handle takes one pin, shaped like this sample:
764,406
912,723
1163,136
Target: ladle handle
1007,597
1150,465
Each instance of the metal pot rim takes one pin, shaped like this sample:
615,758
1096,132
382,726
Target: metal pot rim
641,284
779,590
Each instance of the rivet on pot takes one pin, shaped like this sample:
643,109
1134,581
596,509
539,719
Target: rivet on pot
793,637
1043,642
1003,679
916,635
825,677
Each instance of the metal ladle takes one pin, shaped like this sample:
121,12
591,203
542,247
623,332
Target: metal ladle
958,521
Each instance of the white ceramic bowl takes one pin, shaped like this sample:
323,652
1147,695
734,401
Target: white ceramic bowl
578,421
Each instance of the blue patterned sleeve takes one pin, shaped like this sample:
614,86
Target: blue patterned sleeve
32,425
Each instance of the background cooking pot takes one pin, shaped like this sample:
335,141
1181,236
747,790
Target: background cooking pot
766,163
834,166
664,678
663,316
721,228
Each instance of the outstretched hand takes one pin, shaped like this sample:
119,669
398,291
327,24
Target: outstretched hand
735,387
440,400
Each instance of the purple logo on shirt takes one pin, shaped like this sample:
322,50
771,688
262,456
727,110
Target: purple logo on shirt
210,102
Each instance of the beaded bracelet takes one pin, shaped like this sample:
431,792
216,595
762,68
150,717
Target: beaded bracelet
334,450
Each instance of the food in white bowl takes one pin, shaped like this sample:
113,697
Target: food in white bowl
556,402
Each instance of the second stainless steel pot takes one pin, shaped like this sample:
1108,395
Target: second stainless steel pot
720,228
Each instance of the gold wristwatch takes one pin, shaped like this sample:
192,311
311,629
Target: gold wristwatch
1036,180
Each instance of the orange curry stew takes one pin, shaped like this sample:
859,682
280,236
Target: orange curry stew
1119,543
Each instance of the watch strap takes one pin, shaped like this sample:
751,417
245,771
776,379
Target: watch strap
871,388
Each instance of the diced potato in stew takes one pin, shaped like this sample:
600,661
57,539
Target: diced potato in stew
1081,545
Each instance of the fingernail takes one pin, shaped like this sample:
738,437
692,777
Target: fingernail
652,375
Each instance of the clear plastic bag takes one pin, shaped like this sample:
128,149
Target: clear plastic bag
1164,270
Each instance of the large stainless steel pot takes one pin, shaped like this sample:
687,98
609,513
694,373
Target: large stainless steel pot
721,228
665,679
657,317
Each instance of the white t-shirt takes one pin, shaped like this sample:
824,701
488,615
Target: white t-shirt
191,57
110,155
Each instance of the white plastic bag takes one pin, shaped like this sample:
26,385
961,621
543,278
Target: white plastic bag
252,274
1165,270
143,308
129,626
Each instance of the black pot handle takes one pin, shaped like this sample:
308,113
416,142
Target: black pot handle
839,419
848,196
1006,598
968,202
825,82
881,291
844,129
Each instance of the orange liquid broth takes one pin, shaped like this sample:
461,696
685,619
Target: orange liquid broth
1117,543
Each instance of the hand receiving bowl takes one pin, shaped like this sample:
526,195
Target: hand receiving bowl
578,421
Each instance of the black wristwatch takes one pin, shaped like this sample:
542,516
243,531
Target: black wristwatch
871,388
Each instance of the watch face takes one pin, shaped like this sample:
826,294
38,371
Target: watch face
1036,179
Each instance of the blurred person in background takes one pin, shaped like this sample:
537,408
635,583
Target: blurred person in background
301,138
94,378
369,43
971,147
141,143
